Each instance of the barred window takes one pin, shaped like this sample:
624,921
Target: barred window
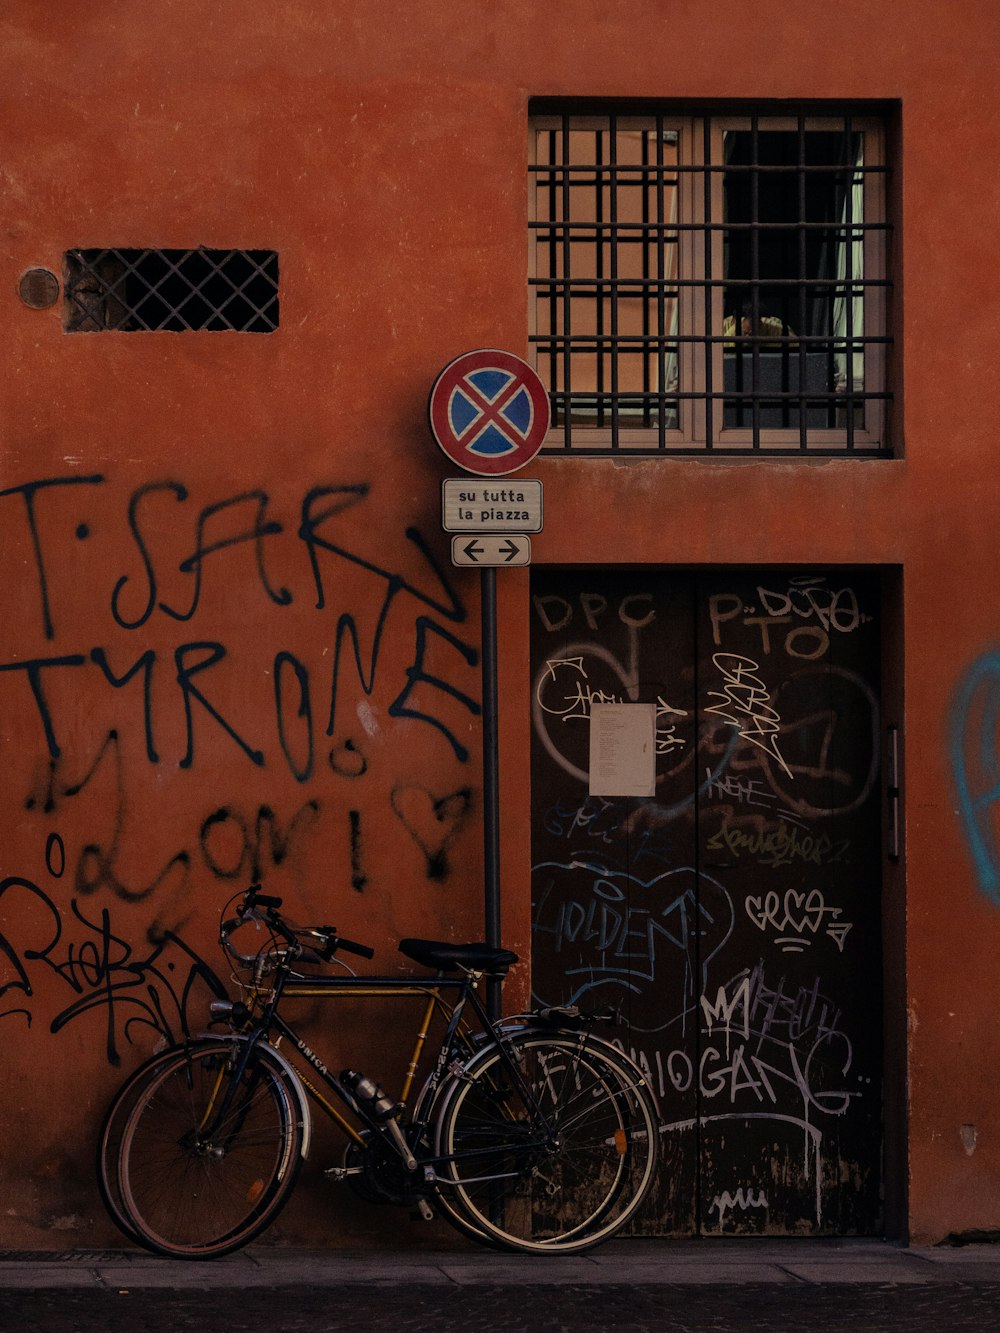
131,290
713,283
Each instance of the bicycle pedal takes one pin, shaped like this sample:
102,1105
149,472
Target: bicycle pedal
339,1173
424,1212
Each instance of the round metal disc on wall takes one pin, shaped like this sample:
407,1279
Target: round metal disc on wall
38,288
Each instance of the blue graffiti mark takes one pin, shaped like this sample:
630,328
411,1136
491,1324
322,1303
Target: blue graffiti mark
610,927
975,762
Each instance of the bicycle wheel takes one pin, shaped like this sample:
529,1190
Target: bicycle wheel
206,1158
551,1147
450,1203
110,1139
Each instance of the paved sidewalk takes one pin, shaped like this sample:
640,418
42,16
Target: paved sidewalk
715,1263
622,1287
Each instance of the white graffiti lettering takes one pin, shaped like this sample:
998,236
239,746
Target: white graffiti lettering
744,1200
744,702
809,598
793,916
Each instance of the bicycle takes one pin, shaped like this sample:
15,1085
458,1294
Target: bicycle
528,1133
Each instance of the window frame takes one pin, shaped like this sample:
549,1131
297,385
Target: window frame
700,247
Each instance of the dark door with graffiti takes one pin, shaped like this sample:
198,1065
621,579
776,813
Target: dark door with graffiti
733,915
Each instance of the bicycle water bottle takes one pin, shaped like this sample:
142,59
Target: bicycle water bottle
367,1090
382,1109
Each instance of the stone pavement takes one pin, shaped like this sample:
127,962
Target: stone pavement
630,1286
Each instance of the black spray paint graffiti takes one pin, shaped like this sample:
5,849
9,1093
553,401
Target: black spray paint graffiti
432,823
298,690
233,848
233,843
163,989
360,604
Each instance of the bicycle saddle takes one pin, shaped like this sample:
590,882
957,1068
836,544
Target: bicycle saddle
447,957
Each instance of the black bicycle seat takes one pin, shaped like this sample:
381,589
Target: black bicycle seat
447,957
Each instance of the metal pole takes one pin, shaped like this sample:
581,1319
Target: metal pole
491,777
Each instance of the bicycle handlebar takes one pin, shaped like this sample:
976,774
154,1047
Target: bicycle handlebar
254,898
324,943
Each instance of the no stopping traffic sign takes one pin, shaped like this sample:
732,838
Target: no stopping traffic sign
489,412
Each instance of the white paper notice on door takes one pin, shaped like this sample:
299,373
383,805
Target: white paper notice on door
622,749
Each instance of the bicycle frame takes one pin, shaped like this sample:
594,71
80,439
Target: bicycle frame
454,1045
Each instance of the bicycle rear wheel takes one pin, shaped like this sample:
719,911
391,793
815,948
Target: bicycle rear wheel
208,1153
549,1148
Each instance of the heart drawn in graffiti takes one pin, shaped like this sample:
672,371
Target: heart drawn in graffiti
432,822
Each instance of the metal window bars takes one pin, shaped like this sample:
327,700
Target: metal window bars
143,290
711,283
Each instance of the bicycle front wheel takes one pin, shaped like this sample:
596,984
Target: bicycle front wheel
113,1128
546,1146
210,1151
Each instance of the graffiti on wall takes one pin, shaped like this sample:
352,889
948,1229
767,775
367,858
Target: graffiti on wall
975,761
329,641
298,693
80,955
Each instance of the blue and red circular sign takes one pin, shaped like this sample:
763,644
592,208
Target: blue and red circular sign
489,412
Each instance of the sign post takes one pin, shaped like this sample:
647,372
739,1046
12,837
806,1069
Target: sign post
489,412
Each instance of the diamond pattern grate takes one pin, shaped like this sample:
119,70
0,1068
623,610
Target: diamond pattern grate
148,291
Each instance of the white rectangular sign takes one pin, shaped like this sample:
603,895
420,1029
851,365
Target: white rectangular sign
469,504
622,749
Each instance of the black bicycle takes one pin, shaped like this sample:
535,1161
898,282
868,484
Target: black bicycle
529,1133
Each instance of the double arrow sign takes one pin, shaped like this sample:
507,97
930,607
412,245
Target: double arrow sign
491,551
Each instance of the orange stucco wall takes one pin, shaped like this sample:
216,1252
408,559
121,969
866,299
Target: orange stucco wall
380,149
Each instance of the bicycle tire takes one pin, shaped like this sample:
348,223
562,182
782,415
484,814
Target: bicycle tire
446,1200
110,1138
634,1084
523,1191
193,1185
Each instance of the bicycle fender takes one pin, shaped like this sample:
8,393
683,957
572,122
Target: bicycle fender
288,1069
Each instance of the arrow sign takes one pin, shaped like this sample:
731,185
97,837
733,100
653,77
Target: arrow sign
481,552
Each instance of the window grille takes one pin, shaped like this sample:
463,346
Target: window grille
131,290
711,283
